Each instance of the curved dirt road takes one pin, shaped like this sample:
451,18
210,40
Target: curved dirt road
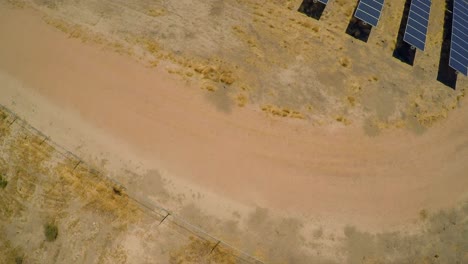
337,172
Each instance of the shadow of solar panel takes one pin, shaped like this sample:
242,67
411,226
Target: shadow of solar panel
418,21
459,44
404,51
369,11
312,8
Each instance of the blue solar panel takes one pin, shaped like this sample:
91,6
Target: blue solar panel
459,44
369,11
418,20
323,1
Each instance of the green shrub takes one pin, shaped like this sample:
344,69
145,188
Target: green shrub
51,232
19,260
3,182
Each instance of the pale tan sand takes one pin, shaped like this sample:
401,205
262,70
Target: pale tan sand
334,173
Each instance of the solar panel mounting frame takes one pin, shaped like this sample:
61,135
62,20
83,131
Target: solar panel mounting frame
322,1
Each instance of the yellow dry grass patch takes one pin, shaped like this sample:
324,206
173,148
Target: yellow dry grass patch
17,3
85,35
282,112
242,100
155,12
201,251
40,179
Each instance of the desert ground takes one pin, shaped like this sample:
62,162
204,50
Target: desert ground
271,131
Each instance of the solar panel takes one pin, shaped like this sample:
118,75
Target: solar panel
323,1
418,20
459,43
369,11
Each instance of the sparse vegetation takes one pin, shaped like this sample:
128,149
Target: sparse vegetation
51,232
423,214
241,100
70,194
201,251
343,120
351,100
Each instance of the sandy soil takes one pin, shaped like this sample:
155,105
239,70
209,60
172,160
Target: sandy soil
96,101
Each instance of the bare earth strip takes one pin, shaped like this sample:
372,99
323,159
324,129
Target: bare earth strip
336,174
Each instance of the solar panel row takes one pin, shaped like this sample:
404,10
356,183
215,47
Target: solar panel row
416,30
418,21
369,11
459,43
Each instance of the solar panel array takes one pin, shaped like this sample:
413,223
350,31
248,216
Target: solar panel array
459,43
369,11
418,21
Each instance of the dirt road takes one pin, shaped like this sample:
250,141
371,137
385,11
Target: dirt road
333,172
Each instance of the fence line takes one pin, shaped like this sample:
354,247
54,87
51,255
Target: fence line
165,214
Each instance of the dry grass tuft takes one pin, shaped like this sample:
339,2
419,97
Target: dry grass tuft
201,251
155,12
282,112
17,3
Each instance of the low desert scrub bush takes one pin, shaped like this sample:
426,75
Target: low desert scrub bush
3,182
51,232
19,260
